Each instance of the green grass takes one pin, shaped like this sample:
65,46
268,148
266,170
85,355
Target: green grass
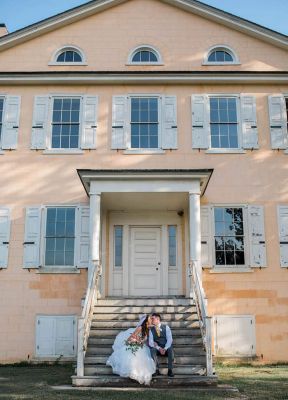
24,382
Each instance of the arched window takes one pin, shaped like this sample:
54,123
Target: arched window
221,55
144,55
68,55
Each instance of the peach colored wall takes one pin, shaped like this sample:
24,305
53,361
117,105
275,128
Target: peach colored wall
108,37
31,178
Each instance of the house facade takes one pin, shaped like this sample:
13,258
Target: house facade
146,139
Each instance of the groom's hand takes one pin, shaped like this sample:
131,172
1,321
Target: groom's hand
162,351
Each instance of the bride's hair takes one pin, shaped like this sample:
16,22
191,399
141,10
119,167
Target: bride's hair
144,327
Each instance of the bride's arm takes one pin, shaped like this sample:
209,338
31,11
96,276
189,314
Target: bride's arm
133,337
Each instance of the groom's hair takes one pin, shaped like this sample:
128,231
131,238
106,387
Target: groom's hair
156,315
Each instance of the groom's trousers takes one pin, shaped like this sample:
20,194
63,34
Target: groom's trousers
169,353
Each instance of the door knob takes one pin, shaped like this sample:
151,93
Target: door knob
157,269
159,263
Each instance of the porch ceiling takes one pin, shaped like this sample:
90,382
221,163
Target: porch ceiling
145,181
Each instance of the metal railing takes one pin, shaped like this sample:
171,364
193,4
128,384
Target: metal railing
84,322
204,321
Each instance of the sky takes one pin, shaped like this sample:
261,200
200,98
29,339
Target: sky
17,14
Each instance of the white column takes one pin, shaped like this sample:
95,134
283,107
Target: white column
195,231
95,230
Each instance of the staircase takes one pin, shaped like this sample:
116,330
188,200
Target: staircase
112,315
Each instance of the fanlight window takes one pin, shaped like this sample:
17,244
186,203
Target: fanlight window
221,55
69,56
145,55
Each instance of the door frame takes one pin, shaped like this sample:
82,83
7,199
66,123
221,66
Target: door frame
162,274
118,279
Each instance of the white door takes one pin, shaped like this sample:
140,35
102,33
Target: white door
145,262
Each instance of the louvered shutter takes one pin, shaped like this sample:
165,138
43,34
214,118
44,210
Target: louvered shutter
169,130
89,130
32,238
45,336
206,237
200,122
119,122
283,235
11,118
278,122
40,122
64,336
83,236
257,236
4,236
249,122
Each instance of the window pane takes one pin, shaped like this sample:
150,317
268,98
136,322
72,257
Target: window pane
65,123
118,246
144,56
220,56
223,122
69,56
229,236
172,241
136,57
60,236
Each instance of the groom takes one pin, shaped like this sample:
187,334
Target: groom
160,343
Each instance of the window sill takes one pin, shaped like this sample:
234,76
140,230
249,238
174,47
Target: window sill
61,64
144,151
225,151
240,270
214,63
62,151
58,270
143,63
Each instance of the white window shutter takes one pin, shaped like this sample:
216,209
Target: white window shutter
4,236
64,335
89,122
45,336
169,127
200,122
257,242
278,122
32,238
283,235
119,122
83,236
11,118
40,122
206,237
249,122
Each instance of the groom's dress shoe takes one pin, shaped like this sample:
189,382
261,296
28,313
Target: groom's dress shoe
157,373
170,373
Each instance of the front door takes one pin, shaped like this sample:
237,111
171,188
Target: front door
145,261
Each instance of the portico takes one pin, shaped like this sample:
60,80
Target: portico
145,229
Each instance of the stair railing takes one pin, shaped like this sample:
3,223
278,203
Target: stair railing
204,321
84,322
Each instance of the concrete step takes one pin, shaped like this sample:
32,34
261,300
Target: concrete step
144,309
135,317
129,324
158,382
178,350
113,331
149,301
92,360
196,369
108,341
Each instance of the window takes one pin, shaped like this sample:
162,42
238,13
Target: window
118,246
144,122
229,236
60,236
65,123
144,55
172,235
1,115
69,56
224,122
221,55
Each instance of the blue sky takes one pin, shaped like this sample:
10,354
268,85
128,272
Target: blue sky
271,13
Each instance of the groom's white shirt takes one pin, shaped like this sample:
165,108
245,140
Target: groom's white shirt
168,336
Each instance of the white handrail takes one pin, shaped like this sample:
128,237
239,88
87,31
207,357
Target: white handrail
204,321
84,322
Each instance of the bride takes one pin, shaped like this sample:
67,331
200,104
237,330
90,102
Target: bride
130,360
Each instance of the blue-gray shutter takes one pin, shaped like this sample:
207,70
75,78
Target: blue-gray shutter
89,122
9,137
4,236
200,122
120,122
83,236
278,122
169,127
249,122
32,237
283,235
257,241
40,122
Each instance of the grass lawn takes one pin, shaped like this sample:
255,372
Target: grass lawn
34,382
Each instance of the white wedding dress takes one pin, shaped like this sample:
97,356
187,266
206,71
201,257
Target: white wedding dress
139,367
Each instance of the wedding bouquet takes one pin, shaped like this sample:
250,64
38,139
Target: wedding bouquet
133,345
